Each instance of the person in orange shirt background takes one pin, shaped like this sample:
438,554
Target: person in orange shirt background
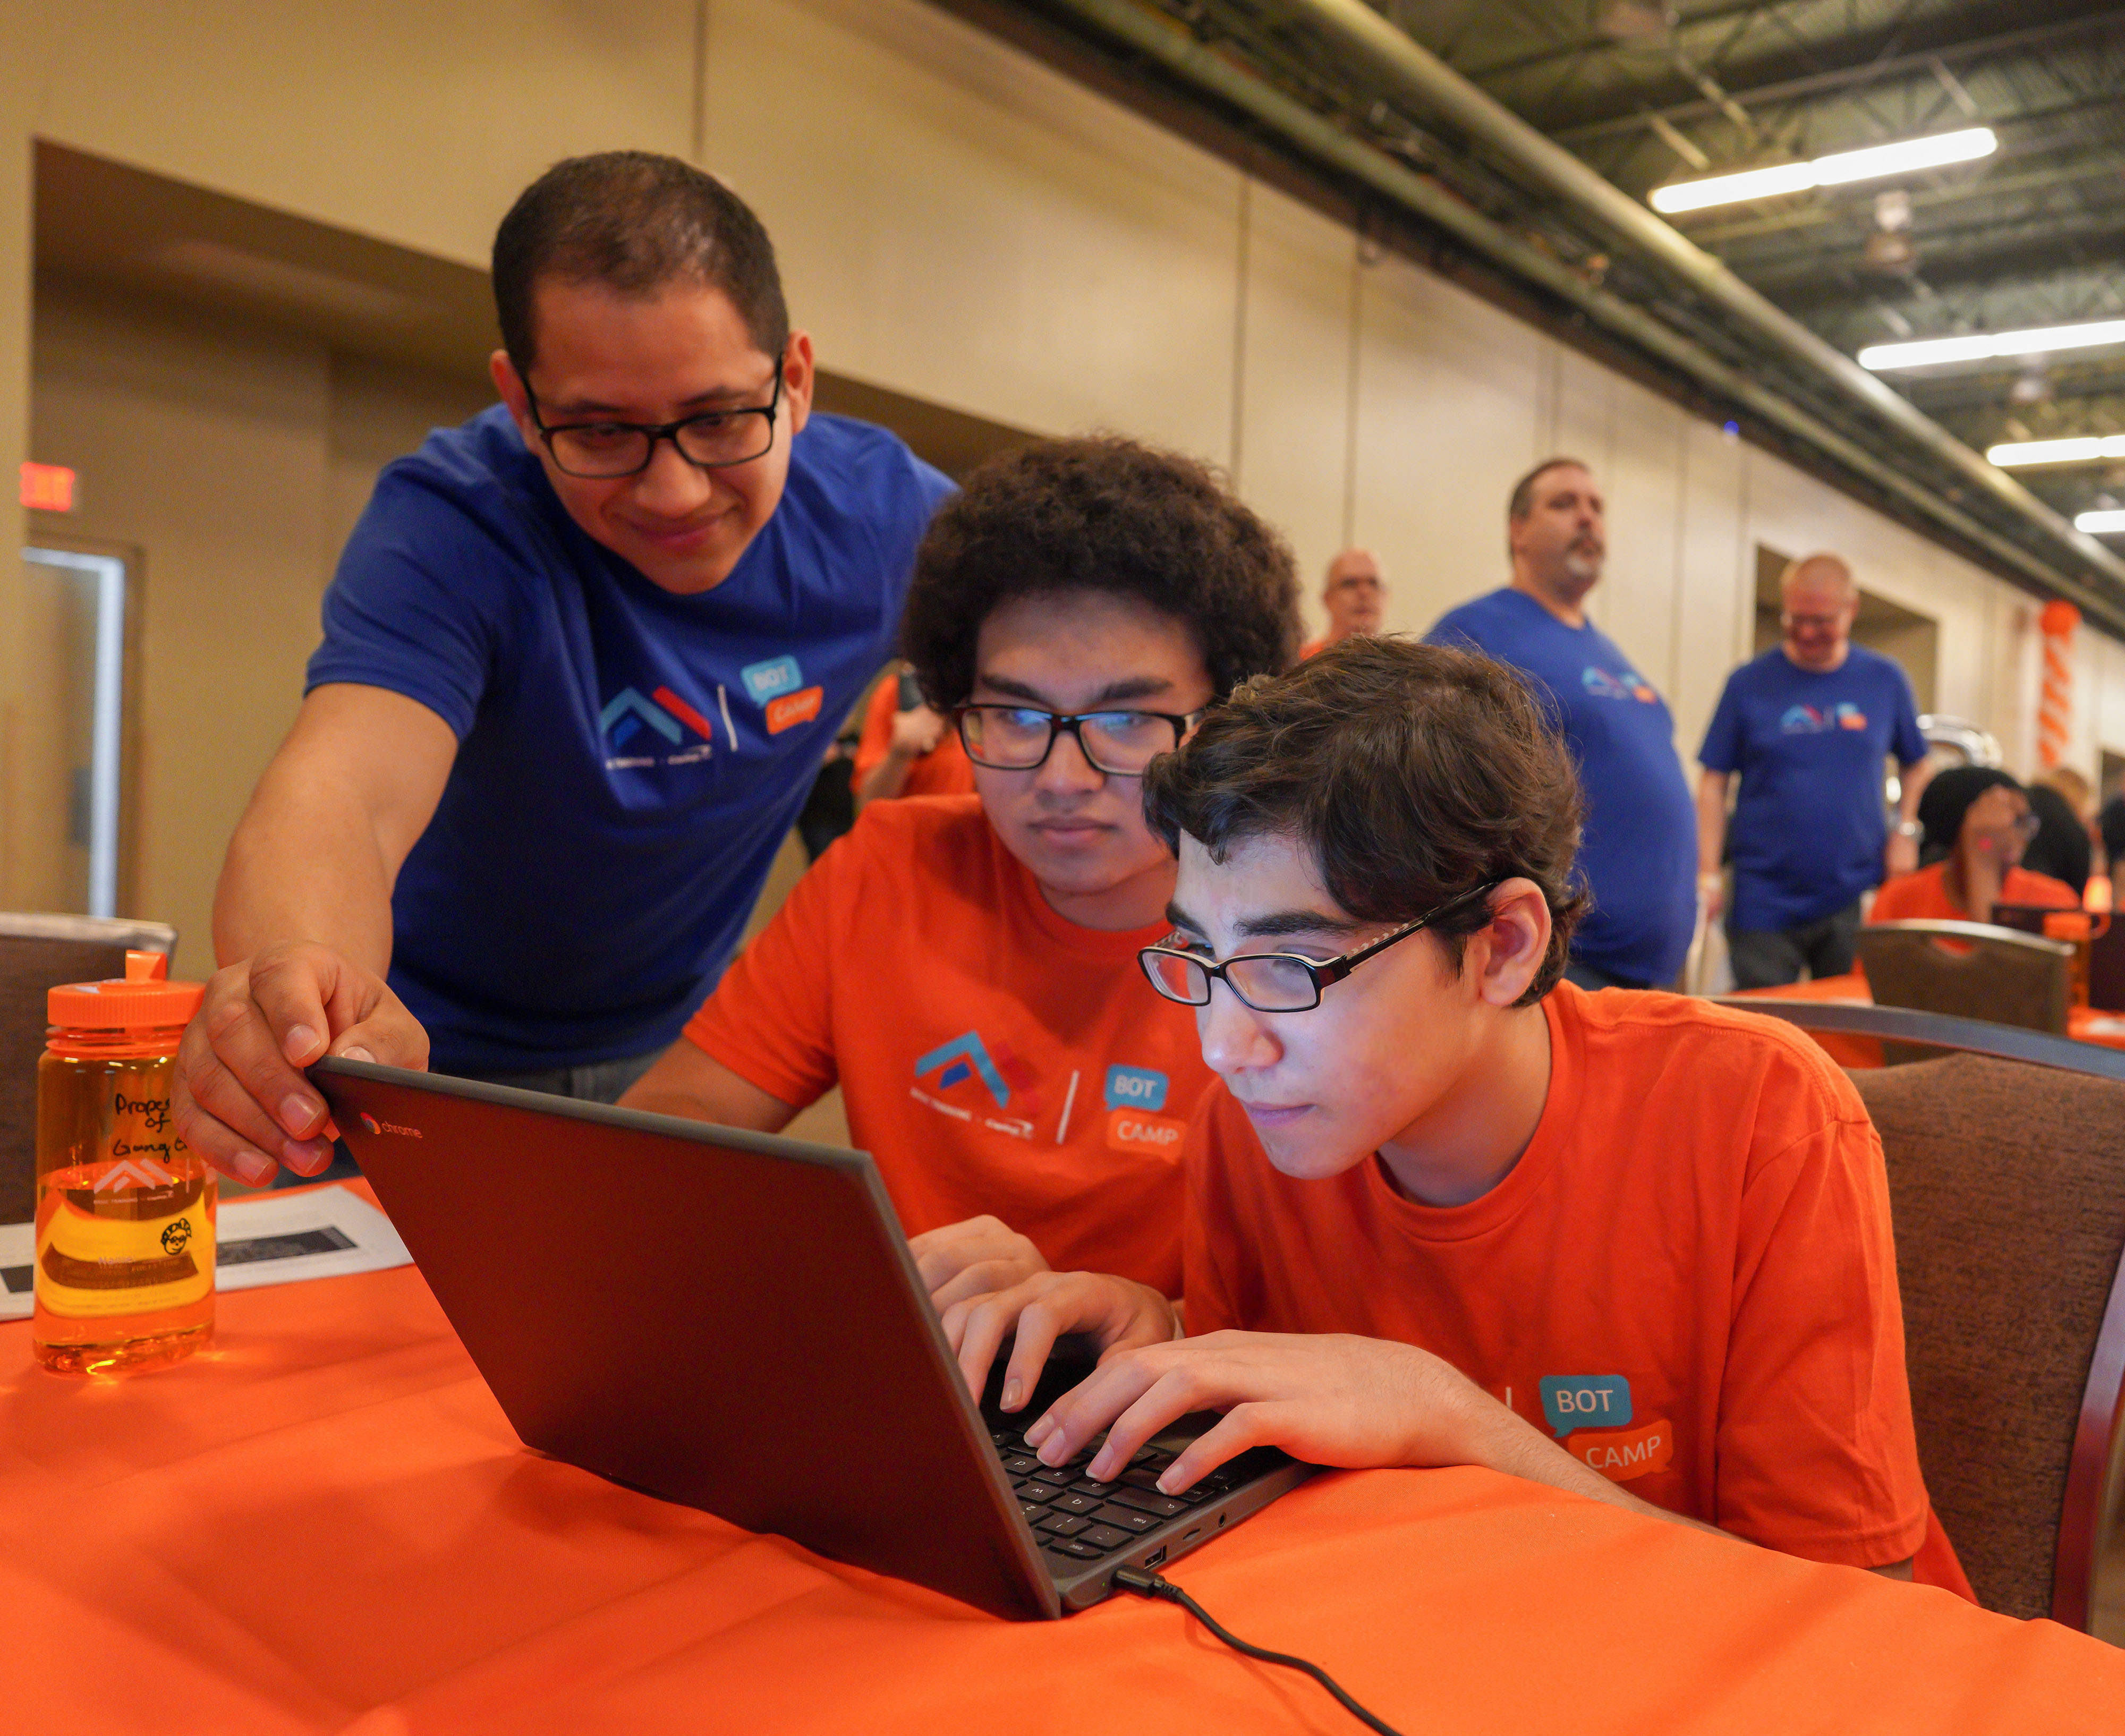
908,749
1447,1209
1976,823
964,966
1355,595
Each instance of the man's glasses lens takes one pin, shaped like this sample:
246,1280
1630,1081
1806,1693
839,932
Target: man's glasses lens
1015,738
615,449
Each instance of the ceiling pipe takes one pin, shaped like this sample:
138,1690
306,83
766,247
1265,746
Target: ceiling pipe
1389,53
1320,139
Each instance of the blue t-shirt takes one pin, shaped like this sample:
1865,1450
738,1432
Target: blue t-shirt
1639,855
628,761
1810,823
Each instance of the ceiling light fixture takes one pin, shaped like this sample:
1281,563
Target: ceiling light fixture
2100,522
1832,171
1979,346
2012,454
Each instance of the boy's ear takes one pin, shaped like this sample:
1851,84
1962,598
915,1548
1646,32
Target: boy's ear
1516,942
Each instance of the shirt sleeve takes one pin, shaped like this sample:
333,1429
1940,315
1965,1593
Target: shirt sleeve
425,603
1815,1452
876,738
1722,752
771,1020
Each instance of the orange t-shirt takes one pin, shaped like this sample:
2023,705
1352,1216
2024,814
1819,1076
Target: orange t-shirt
993,1058
1922,896
945,770
1688,1276
1312,648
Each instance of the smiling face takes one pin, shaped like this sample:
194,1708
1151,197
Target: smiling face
1819,603
604,356
1433,1068
1079,830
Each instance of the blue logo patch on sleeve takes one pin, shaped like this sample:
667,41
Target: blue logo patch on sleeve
1585,1401
768,681
1136,1087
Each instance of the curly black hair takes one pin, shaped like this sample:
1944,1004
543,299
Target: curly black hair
1100,513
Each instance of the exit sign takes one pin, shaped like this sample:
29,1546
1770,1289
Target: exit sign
48,488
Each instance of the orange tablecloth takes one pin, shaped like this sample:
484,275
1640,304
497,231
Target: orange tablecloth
325,1525
2085,1025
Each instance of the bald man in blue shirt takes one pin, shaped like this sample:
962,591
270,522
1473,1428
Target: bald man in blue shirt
1640,853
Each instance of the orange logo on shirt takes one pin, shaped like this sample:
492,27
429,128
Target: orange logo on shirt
1133,1130
1621,1454
792,709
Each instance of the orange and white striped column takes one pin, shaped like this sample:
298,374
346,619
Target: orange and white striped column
2055,709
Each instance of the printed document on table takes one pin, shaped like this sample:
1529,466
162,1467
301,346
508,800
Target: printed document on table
259,1239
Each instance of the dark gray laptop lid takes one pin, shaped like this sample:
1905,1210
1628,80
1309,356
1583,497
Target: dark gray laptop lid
718,1318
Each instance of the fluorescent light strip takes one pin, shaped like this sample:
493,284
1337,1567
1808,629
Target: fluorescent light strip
2011,454
1835,170
1929,352
2100,522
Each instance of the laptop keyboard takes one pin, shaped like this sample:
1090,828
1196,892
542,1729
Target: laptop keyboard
1078,1519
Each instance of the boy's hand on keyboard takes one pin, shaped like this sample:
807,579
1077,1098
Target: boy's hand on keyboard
1117,1314
974,1257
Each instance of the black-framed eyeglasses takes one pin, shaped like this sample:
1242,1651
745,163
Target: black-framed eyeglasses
1276,982
1017,738
713,441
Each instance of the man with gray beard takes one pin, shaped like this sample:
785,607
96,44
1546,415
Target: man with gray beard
1639,858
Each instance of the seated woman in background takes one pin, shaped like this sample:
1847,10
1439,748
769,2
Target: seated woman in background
1977,824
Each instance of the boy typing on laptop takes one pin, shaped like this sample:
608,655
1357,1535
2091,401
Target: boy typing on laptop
964,966
1445,1208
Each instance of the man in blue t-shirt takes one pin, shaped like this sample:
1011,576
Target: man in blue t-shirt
581,661
1810,726
1639,855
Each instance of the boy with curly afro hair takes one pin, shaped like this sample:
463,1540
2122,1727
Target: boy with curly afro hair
964,966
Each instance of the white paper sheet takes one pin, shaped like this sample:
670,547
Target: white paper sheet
259,1239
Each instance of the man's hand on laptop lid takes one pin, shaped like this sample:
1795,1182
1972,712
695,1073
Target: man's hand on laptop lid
1113,1314
240,1099
975,1257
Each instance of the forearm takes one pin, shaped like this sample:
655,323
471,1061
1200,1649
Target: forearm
1711,821
1913,782
886,779
305,864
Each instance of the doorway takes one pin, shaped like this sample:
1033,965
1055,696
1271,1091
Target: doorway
79,718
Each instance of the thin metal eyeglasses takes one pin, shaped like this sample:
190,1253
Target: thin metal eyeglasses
713,441
1018,738
1276,982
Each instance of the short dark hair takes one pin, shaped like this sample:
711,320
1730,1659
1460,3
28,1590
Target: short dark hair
1104,514
1414,773
634,221
1522,502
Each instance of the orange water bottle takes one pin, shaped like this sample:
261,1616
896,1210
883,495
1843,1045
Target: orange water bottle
124,1271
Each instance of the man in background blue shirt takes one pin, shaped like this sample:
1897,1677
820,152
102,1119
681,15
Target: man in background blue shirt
582,660
1639,855
1810,727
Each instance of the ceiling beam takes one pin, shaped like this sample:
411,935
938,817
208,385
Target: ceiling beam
1836,80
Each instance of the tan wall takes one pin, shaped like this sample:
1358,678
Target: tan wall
234,456
958,224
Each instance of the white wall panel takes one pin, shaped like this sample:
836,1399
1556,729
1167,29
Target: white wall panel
1447,395
1292,458
1715,587
959,223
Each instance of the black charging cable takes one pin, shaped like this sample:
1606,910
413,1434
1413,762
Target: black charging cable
1147,1585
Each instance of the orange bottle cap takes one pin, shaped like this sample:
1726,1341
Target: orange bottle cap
142,1000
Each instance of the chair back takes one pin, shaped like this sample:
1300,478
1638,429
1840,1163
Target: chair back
1969,970
37,952
2007,1182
